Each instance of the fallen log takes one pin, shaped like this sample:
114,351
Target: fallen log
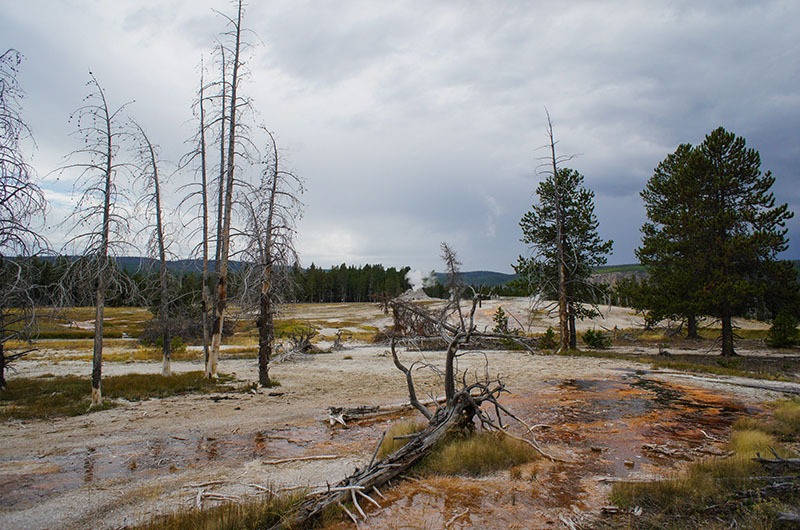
343,415
381,472
778,464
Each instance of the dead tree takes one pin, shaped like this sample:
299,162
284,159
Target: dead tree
235,137
273,208
198,157
150,204
563,323
100,219
453,267
461,410
562,231
22,209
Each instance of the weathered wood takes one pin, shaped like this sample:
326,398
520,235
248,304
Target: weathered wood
778,464
301,459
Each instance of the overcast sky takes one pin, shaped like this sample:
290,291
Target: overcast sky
416,122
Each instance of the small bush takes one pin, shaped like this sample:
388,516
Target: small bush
783,331
596,339
547,341
500,321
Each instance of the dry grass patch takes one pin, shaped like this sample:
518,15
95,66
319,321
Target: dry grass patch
262,512
476,455
391,443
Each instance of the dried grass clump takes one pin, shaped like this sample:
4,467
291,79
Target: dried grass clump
261,513
477,454
403,428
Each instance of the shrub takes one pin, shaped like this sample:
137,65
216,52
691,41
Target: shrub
548,340
783,331
596,339
501,321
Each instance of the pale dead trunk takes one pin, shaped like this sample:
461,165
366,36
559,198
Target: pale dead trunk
163,312
563,323
266,332
222,287
205,301
97,355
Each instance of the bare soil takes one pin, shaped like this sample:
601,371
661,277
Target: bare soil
121,466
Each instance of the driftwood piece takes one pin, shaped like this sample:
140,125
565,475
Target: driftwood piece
776,386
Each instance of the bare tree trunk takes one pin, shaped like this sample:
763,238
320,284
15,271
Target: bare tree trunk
222,287
691,327
166,368
163,310
573,335
563,324
727,333
3,383
266,335
97,356
266,326
206,296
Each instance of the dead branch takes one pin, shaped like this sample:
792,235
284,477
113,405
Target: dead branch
300,459
778,465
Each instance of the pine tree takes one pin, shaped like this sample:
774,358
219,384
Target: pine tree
583,249
714,232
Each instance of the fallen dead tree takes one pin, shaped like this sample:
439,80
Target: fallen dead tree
465,393
778,464
377,474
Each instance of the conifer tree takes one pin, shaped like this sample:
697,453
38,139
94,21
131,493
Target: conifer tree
566,199
714,232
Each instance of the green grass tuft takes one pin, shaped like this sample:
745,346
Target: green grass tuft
40,397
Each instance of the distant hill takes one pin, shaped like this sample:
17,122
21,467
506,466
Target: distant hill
606,274
132,264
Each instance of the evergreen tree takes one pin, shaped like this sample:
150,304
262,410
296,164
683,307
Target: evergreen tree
669,248
583,247
714,232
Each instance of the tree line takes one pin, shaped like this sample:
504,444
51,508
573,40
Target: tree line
139,286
